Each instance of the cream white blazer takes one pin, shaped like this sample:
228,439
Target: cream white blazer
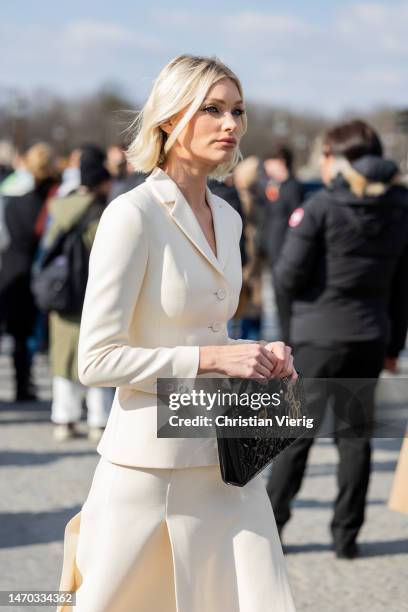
156,293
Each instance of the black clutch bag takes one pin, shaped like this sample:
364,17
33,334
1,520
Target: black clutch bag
242,458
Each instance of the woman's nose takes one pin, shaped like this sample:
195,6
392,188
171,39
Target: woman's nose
230,122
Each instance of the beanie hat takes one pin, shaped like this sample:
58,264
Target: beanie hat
92,166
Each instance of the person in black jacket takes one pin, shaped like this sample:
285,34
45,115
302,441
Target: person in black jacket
22,215
344,266
283,195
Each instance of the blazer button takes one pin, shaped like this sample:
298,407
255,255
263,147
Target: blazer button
216,326
221,294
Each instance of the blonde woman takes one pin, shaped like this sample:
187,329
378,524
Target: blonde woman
160,531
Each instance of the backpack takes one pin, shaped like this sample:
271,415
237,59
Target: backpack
60,277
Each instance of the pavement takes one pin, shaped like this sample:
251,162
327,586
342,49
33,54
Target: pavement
44,483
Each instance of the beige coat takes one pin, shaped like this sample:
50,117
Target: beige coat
156,293
399,492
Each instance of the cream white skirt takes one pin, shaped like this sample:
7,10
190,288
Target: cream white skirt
174,540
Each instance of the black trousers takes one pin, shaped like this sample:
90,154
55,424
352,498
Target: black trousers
283,306
17,314
352,360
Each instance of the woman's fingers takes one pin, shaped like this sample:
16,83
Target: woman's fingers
284,359
268,356
295,375
263,371
288,367
278,351
268,361
261,363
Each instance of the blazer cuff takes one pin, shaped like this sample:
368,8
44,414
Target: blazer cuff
186,362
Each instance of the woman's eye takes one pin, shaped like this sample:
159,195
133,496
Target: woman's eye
213,109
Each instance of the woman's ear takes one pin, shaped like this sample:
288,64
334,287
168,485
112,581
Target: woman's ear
168,126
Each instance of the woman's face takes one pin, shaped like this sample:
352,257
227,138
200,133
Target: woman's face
213,134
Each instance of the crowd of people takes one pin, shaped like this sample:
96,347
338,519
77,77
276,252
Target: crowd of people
338,264
43,196
43,199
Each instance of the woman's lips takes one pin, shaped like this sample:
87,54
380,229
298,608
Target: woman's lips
228,142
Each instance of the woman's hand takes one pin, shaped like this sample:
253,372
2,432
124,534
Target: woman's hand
284,365
248,360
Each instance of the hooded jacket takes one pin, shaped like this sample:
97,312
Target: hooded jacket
344,264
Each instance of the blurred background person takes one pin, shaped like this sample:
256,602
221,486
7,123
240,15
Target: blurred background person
20,180
118,168
116,161
22,216
129,181
284,194
71,177
6,160
345,266
124,178
240,327
247,320
67,392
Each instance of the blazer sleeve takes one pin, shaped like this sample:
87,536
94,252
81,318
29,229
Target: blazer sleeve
117,267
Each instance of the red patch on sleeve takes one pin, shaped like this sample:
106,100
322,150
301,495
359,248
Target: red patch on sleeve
296,217
272,193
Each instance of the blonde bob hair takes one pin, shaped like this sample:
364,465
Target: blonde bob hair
182,84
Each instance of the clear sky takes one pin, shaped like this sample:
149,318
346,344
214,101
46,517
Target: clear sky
324,56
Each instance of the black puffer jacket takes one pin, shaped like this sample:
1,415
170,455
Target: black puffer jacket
273,223
344,263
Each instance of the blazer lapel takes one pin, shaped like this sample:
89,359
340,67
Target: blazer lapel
170,195
223,232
